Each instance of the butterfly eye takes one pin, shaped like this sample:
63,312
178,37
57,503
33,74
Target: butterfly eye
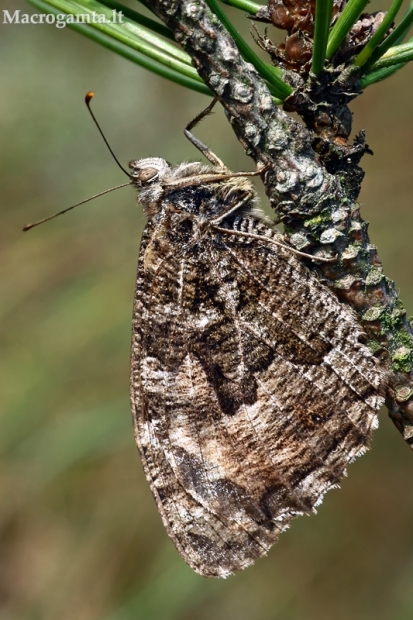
147,174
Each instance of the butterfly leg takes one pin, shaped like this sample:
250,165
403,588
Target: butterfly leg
233,207
214,159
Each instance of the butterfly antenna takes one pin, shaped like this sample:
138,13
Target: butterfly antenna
51,217
88,99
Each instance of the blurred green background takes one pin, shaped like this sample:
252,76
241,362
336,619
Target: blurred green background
81,538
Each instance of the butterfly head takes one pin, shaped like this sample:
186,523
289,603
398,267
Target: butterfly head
148,176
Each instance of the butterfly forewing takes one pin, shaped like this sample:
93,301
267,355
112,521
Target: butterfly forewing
250,390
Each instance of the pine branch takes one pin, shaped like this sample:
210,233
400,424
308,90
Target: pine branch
319,209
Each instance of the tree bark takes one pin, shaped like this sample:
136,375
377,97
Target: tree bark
319,209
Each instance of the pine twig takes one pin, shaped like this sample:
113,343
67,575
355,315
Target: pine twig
318,211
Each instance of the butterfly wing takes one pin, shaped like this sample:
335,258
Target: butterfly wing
250,390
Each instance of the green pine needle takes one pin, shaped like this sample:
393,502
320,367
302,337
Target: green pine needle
323,12
395,38
344,24
395,56
134,16
375,40
378,75
244,5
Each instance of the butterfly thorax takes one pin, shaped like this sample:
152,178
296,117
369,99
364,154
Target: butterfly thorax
187,189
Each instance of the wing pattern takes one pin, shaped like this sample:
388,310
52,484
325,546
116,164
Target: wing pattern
251,392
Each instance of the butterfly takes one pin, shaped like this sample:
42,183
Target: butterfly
251,389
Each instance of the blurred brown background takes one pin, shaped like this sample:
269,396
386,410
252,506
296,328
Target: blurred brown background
81,538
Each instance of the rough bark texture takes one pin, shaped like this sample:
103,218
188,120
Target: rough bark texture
319,209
